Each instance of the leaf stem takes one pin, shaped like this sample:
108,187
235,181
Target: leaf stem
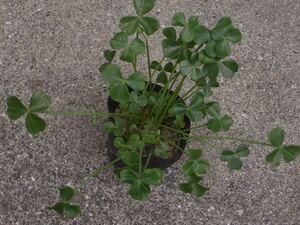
97,114
217,138
95,173
148,58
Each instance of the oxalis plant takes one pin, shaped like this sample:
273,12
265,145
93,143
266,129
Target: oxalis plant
152,109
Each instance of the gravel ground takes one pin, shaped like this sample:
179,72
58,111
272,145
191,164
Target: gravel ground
57,46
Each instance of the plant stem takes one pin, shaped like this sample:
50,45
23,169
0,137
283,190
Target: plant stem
140,162
188,92
196,50
95,173
148,159
218,138
97,114
148,58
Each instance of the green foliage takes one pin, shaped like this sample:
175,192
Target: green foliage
232,157
63,206
287,152
39,102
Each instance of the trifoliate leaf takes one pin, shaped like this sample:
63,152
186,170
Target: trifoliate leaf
210,48
15,108
72,211
112,74
186,35
233,35
194,154
119,92
242,151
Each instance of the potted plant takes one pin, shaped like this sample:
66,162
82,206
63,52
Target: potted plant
150,113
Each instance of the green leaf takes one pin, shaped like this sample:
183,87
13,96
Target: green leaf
129,157
103,66
179,19
119,93
198,190
72,211
194,154
162,78
186,35
66,193
170,33
135,48
233,35
205,59
242,151
276,137
169,67
129,24
39,102
34,124
143,6
193,188
223,49
188,69
156,66
193,178
129,176
59,207
117,127
109,55
152,176
223,23
162,151
139,191
193,22
210,48
274,158
150,24
213,110
211,69
229,68
119,41
136,81
171,48
227,154
112,74
15,108
226,123
200,166
214,125
68,210
290,152
234,164
201,34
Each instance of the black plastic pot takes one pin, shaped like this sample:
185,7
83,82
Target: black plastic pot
155,162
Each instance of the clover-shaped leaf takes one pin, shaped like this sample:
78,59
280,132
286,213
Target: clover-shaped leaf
223,48
150,24
192,70
198,167
136,102
112,74
63,207
119,41
233,156
194,154
39,102
132,50
119,92
139,184
129,157
179,19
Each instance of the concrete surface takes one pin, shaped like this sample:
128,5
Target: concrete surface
57,46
